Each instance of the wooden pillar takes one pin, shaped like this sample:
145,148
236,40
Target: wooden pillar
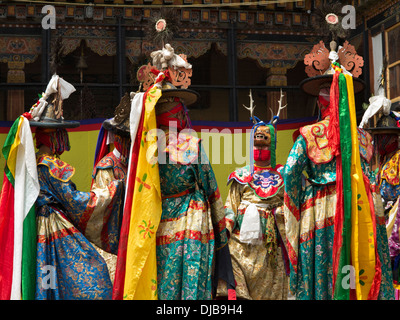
15,98
121,54
276,78
232,72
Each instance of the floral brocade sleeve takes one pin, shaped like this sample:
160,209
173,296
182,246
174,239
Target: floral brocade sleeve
232,204
90,212
292,175
58,188
103,178
208,184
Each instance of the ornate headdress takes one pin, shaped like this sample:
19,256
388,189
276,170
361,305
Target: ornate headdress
389,121
320,66
48,110
320,61
175,68
387,129
47,115
387,124
119,124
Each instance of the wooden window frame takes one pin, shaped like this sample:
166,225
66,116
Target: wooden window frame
397,98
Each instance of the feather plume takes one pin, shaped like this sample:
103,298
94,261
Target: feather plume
162,37
56,54
327,30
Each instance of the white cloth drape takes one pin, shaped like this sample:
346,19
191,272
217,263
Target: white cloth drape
250,230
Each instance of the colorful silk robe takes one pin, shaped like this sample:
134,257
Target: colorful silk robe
259,269
310,205
390,191
68,265
389,178
108,169
192,229
17,214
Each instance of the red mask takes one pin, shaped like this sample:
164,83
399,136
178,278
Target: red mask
261,154
323,99
56,139
387,143
170,118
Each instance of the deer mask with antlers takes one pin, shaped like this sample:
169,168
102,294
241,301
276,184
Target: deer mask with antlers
263,143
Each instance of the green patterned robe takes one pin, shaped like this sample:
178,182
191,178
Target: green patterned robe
309,212
191,231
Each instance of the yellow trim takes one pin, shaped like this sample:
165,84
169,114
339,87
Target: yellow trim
267,167
51,159
12,155
396,286
362,231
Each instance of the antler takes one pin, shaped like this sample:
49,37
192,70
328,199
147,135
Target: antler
279,109
251,108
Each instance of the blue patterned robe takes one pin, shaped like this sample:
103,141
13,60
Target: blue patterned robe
68,266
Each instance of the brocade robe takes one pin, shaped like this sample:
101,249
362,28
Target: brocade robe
259,269
192,229
389,178
68,265
310,206
389,183
108,169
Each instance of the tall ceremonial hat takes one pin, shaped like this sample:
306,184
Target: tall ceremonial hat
47,112
389,120
320,71
328,21
387,124
119,124
175,67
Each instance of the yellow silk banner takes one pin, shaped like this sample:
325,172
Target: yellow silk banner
362,238
141,266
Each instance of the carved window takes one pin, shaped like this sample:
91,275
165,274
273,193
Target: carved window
393,62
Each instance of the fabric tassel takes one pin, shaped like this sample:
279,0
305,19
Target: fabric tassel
251,150
333,128
339,214
344,205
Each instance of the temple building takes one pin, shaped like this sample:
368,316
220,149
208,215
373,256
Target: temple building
233,46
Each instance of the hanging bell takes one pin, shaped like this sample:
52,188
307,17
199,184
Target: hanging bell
82,63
